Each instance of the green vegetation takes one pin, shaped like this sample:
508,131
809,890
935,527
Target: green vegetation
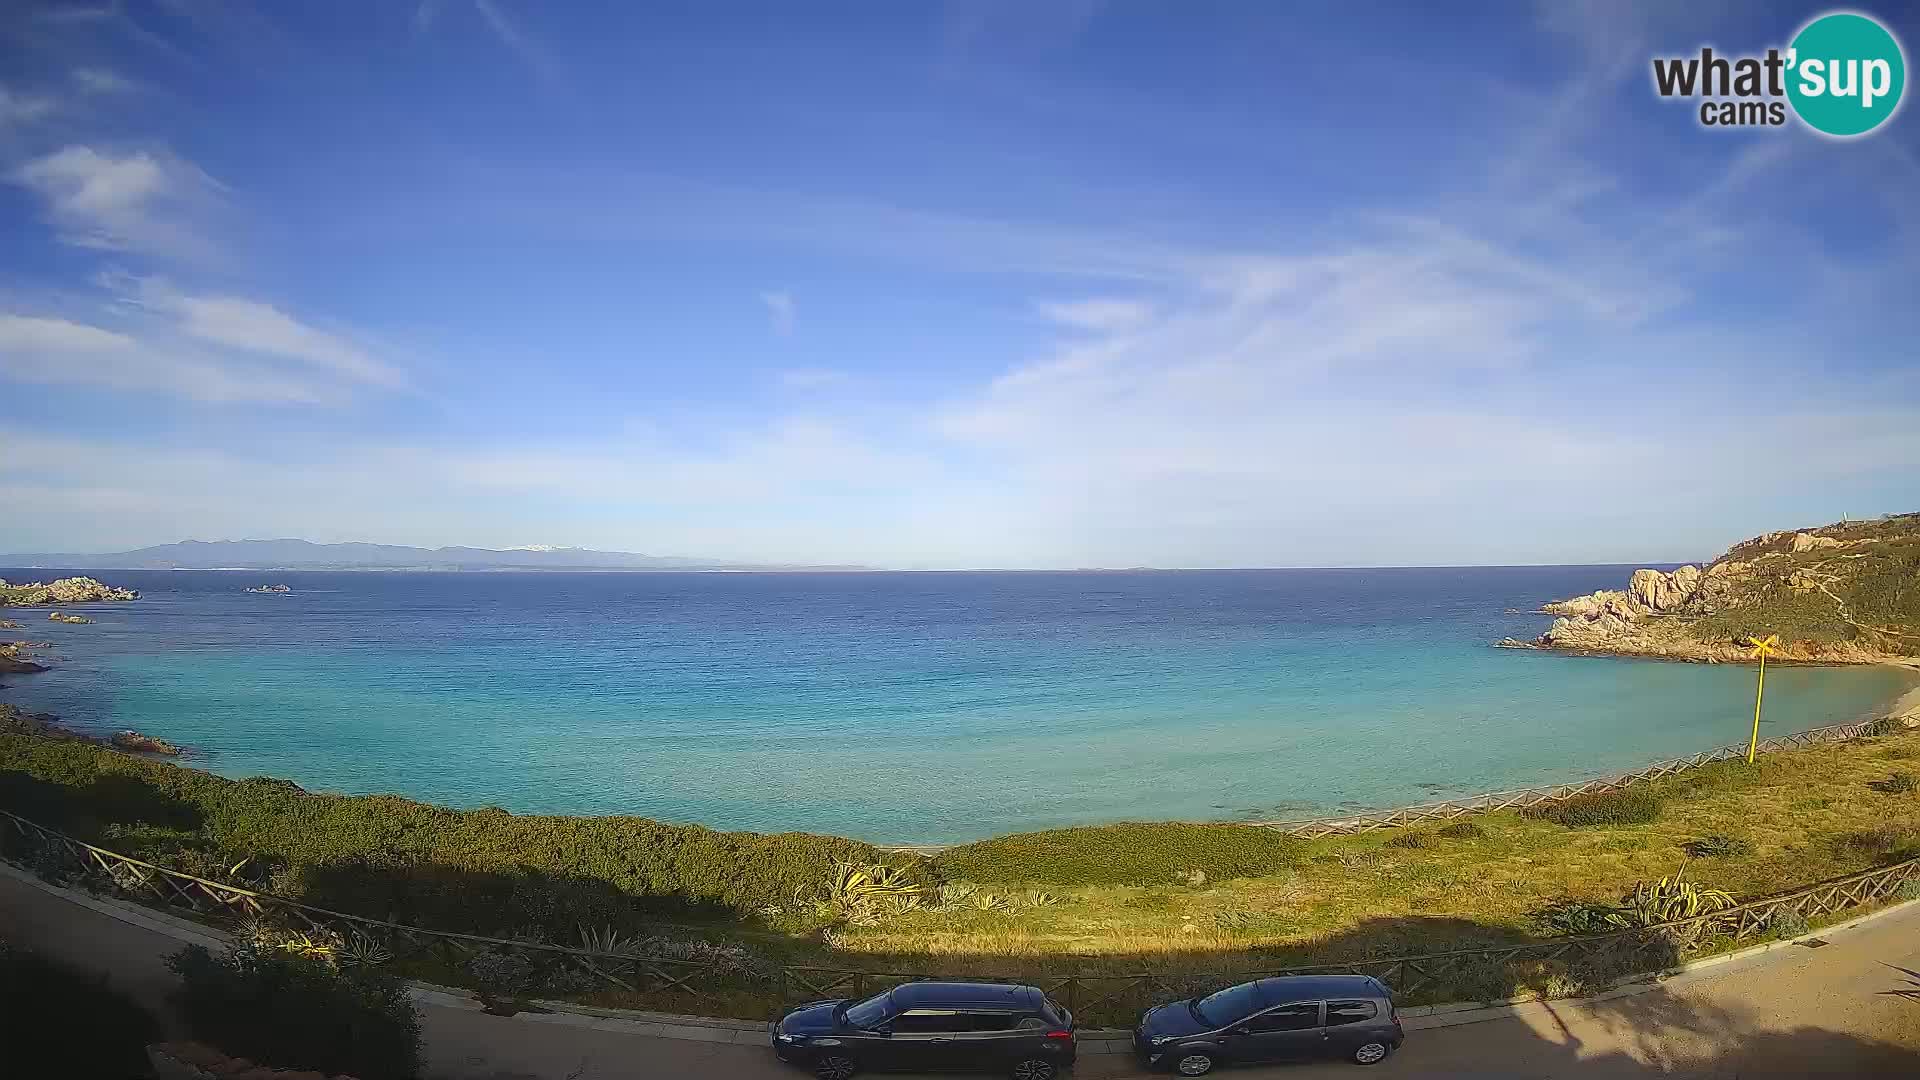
296,1010
484,871
1861,590
1900,783
43,1003
1637,805
1109,901
1123,855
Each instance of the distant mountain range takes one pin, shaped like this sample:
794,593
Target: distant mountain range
306,555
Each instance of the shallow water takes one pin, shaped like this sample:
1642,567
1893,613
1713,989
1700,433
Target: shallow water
920,708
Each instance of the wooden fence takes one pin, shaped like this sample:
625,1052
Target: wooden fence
1521,798
719,979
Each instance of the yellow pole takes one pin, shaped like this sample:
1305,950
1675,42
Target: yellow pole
1759,692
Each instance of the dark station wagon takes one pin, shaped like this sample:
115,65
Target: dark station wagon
1288,1018
1014,1031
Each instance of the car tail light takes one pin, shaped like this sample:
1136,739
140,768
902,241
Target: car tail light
1059,1034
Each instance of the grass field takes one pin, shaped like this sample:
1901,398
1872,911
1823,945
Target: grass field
1109,900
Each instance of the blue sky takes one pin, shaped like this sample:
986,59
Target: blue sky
921,285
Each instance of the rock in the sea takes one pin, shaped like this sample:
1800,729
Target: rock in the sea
270,588
12,663
1592,606
73,590
61,616
1805,541
143,744
9,624
1663,592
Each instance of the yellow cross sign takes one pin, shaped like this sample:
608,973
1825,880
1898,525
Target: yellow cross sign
1762,648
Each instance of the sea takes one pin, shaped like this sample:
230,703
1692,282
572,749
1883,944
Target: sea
907,708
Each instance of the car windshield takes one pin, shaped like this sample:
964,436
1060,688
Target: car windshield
1223,1008
869,1013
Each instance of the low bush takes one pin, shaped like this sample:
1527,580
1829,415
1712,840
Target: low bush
1122,855
1718,846
482,871
1900,783
43,1003
1908,890
1889,841
1463,830
1786,924
1579,918
1413,840
1630,806
296,1012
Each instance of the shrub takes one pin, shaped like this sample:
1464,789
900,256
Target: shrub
1718,846
478,871
1577,918
1786,924
1630,806
44,1003
296,1012
1908,890
1414,840
1900,783
1654,902
1122,855
1889,841
1463,830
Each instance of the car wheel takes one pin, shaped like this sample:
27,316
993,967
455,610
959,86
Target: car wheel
1372,1053
835,1067
1193,1064
1035,1069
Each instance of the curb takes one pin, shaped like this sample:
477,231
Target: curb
712,1029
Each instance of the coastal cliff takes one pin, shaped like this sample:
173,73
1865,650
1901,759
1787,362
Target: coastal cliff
1843,593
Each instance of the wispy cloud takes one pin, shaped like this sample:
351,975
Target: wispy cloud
38,349
23,108
1097,313
98,80
530,52
780,310
140,201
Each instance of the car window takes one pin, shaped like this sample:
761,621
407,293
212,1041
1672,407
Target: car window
1033,1022
1299,1016
993,1021
870,1013
1349,1012
931,1020
1229,1005
1059,1013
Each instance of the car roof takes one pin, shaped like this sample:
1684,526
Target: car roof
932,995
1283,988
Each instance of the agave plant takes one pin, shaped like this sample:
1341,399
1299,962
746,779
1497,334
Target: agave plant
1040,898
361,950
989,901
957,894
607,939
1577,918
856,892
1670,898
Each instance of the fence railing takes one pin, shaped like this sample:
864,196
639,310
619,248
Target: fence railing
1551,966
1520,798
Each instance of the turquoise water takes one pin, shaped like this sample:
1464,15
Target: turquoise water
899,707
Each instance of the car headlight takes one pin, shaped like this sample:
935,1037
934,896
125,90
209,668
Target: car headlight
1160,1040
786,1038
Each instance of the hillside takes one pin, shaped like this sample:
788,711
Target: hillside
1843,593
291,554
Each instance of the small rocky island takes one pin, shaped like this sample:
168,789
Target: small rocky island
1842,593
61,616
270,588
73,590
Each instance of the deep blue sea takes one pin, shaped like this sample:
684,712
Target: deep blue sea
909,707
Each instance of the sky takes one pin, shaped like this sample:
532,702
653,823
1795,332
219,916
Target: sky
921,285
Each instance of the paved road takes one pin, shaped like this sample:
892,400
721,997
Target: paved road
1836,1011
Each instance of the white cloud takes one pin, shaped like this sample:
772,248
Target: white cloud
39,349
1096,313
23,108
255,327
780,309
136,201
96,80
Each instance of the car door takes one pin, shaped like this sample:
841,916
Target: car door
1001,1038
1283,1033
1350,1024
931,1040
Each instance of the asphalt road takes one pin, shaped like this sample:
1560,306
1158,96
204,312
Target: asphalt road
1842,1010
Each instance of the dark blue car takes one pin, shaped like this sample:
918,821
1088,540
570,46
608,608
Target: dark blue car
1288,1018
1010,1030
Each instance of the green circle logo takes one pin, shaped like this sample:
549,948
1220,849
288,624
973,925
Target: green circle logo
1845,74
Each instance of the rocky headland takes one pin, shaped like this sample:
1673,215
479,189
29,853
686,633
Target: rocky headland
73,590
1847,593
14,721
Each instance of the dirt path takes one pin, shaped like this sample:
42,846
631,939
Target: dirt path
1843,1010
